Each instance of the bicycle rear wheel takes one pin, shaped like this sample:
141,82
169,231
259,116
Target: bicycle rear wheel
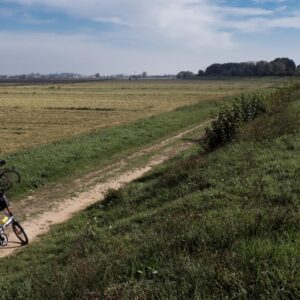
20,232
8,178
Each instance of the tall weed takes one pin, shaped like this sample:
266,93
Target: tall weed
245,108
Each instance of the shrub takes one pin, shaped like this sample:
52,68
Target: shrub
226,126
244,108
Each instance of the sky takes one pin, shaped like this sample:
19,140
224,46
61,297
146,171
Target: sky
133,36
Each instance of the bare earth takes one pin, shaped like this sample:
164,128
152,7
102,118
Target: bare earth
75,196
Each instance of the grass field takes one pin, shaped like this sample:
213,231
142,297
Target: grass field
38,114
219,225
71,157
79,152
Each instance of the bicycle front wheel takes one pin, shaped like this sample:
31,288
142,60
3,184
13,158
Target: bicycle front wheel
8,178
3,240
20,232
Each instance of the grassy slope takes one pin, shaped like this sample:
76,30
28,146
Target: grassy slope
76,155
207,226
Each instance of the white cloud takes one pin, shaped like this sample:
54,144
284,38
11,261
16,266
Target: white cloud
263,25
192,22
243,11
112,20
155,36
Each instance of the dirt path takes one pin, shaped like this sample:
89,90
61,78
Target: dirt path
91,188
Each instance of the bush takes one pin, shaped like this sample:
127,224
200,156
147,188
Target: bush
245,108
225,128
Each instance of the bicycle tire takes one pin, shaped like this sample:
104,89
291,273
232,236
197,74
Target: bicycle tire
20,232
3,240
8,178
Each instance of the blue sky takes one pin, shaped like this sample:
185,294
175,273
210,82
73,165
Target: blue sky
131,36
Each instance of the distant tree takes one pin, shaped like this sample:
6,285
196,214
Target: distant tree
133,77
185,75
201,73
288,66
214,70
263,68
298,70
231,69
97,75
247,69
277,67
180,75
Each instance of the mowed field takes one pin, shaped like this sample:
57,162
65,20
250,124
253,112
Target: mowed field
37,114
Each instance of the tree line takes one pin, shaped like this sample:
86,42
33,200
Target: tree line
277,67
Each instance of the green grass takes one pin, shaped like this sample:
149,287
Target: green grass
207,226
74,156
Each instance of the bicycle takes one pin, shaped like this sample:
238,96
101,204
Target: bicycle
8,177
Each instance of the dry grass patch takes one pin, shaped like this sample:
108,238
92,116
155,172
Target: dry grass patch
37,114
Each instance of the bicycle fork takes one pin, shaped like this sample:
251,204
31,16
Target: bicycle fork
5,222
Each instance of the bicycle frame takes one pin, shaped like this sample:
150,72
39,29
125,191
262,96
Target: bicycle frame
10,220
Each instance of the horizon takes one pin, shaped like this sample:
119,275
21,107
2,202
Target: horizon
128,74
129,37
